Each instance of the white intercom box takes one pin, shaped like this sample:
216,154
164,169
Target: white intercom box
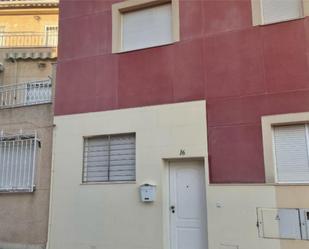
147,192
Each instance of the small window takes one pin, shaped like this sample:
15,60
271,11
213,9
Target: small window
291,150
154,23
274,11
17,162
109,158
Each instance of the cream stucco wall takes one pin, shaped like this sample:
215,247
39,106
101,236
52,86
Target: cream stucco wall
232,216
20,71
293,197
111,216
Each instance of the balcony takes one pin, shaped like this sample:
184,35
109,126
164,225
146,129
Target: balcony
26,94
29,39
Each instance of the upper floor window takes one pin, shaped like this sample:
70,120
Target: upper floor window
291,152
274,11
137,26
109,158
17,162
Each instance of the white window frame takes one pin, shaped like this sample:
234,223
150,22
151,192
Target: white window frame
257,13
134,5
8,141
268,122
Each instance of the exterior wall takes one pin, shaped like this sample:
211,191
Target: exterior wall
26,20
243,73
293,197
93,215
20,71
111,215
24,216
232,216
221,57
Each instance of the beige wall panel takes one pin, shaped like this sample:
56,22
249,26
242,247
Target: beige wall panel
111,216
293,197
232,216
293,244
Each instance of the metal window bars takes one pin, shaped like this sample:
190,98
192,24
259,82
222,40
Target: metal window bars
18,153
24,94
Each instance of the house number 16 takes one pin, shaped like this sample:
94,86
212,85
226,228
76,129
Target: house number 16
182,152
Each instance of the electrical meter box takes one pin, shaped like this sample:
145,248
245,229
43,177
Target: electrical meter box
281,223
304,221
147,192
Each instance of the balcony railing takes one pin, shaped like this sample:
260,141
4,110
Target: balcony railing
28,93
28,39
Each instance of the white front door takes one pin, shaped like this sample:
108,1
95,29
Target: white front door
187,205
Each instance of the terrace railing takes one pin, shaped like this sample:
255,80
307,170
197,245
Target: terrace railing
24,94
28,39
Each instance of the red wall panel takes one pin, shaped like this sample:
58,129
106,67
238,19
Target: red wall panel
243,72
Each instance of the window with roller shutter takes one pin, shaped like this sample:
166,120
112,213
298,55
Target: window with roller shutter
144,24
109,158
274,11
291,153
147,27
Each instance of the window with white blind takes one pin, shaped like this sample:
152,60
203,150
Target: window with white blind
147,27
144,24
281,10
291,151
17,162
109,158
274,11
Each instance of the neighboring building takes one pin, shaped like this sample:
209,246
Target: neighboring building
28,52
206,100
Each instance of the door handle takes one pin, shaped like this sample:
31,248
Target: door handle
172,209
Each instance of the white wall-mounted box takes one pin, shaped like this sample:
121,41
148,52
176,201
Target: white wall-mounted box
282,223
147,192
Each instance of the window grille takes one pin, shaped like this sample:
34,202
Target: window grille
109,158
28,93
17,162
51,35
38,92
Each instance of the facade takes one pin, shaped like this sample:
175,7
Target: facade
28,52
181,125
